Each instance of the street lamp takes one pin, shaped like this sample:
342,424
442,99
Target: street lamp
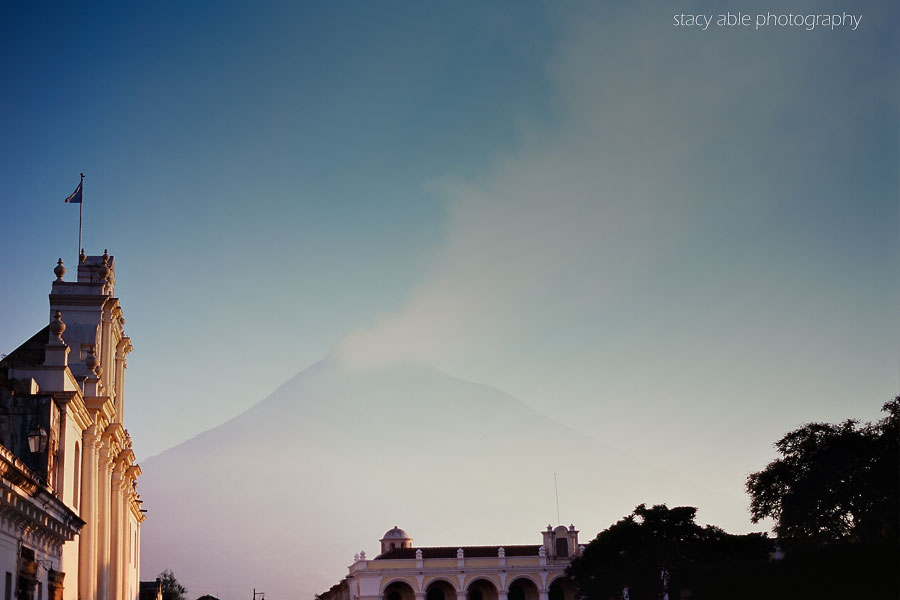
37,440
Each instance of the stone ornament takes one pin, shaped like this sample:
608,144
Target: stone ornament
104,268
92,363
57,327
60,270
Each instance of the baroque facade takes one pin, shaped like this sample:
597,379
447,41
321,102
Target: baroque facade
515,572
70,515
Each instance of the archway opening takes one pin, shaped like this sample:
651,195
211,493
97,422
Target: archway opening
440,590
562,589
523,589
481,589
398,590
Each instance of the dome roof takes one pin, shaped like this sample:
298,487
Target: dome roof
396,534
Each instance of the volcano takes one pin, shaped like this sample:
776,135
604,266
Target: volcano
281,497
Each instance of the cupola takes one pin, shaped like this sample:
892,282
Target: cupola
395,538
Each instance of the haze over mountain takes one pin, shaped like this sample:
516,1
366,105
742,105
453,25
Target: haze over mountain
281,497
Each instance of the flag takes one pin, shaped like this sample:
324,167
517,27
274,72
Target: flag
75,198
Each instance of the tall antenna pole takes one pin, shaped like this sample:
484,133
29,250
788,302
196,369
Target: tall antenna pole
556,488
80,207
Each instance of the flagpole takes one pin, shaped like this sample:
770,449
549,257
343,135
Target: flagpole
80,207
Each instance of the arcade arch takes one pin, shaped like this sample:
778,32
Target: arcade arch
482,589
561,589
398,590
440,589
523,588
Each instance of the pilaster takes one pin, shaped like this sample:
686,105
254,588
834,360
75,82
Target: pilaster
87,564
104,485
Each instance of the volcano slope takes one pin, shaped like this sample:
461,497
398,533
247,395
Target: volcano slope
281,497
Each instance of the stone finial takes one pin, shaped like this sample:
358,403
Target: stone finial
549,528
460,553
60,270
93,363
57,327
356,558
542,552
104,268
418,554
501,552
571,526
581,549
82,257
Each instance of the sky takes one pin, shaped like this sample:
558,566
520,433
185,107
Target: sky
681,242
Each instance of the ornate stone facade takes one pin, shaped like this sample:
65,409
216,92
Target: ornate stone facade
403,571
65,389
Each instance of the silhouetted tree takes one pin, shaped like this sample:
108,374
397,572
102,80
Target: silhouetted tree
833,481
656,550
171,589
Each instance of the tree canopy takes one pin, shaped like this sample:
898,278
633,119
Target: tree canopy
171,589
656,550
833,481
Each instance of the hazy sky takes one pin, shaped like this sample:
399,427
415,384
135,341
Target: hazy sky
683,242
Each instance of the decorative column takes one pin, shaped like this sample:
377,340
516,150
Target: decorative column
137,555
87,559
124,535
116,533
122,350
103,538
107,351
133,518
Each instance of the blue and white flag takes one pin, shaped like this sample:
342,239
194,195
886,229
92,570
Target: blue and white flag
75,198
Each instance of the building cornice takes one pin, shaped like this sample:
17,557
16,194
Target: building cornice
102,409
26,502
61,298
74,403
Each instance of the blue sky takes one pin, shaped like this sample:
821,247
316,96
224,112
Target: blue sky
682,242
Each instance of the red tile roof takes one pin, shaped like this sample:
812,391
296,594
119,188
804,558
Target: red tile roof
468,552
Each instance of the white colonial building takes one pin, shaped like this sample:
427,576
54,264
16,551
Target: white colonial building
70,515
403,571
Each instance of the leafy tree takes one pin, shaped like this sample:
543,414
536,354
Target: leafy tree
656,550
833,481
171,589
